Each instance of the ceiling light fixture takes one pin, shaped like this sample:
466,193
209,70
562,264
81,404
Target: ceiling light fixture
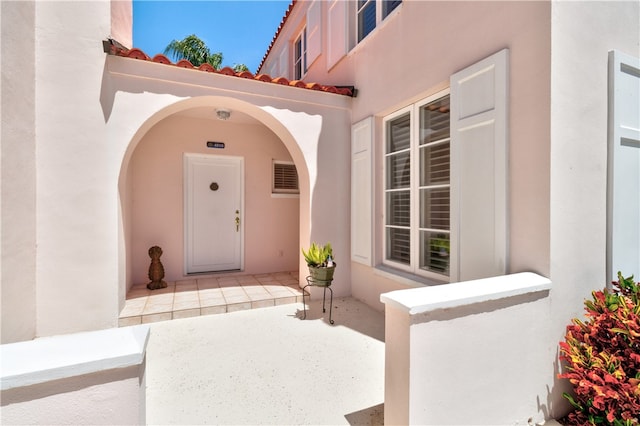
223,114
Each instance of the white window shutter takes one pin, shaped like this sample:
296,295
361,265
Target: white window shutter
314,31
361,191
284,63
623,189
337,32
479,113
273,70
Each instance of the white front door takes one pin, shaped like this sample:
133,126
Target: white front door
213,213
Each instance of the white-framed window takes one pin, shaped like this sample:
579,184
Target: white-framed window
369,13
300,55
417,188
444,196
285,178
389,6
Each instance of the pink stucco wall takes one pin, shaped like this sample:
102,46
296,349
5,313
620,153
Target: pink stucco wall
122,22
156,191
424,44
411,55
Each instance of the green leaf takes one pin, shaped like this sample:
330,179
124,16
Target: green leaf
572,401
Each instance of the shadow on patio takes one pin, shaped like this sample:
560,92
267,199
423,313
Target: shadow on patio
268,366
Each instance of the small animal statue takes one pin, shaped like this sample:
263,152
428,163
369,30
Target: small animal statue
156,270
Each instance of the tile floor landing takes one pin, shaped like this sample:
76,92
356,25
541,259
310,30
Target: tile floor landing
209,295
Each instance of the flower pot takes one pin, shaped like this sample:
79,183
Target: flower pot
322,273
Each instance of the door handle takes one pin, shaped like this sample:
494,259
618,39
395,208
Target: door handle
237,220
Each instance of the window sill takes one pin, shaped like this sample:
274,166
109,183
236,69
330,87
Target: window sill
405,278
420,300
284,195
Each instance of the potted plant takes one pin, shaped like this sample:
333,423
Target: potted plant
439,249
319,259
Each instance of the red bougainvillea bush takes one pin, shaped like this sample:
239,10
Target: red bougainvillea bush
602,357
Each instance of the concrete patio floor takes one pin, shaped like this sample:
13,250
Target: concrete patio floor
268,366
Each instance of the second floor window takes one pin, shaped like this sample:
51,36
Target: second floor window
368,15
300,55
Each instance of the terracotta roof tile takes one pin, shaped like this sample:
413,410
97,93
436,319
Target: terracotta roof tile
183,63
137,54
112,47
227,71
297,83
207,68
263,77
161,59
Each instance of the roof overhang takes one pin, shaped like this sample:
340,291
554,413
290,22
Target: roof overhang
113,48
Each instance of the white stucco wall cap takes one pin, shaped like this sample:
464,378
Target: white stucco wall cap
419,300
58,357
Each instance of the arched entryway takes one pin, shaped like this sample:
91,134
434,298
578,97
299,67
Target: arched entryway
152,185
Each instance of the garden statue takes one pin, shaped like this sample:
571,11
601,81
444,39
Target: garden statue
156,270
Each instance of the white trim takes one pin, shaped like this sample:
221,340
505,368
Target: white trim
302,37
623,163
427,299
413,267
408,109
473,109
281,191
362,197
337,32
60,357
284,195
314,32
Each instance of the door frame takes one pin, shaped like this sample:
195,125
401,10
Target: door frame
186,207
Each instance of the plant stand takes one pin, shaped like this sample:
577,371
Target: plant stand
318,283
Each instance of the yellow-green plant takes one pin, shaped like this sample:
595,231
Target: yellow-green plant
318,255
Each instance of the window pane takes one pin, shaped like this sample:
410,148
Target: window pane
298,71
298,49
434,121
304,50
398,245
298,59
388,6
434,208
434,252
421,235
398,208
399,134
434,164
398,171
366,18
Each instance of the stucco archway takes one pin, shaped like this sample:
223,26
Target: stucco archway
188,119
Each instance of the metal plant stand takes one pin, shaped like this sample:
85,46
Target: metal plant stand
318,283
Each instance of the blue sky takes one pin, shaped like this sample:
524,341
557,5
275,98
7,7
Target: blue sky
241,29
